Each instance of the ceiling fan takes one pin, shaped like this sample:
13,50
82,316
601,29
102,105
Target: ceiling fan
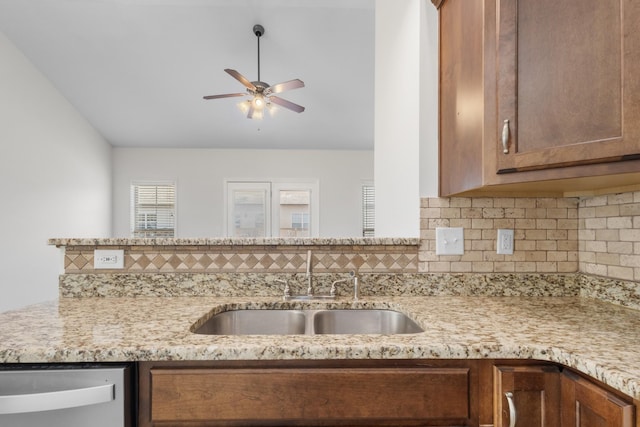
262,93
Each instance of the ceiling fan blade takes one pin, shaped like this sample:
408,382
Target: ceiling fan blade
289,85
287,104
239,77
226,95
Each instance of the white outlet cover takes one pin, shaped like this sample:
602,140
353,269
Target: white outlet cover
108,259
504,244
449,241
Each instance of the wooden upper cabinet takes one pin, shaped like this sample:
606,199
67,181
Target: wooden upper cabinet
567,83
462,97
557,79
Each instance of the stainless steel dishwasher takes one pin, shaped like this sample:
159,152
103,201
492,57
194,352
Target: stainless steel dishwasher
69,396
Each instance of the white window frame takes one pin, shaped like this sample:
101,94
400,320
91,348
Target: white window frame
132,206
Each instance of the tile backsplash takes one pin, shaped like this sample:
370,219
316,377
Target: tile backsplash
593,235
597,235
545,234
609,236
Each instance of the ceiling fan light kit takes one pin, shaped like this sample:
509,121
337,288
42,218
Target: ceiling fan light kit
262,93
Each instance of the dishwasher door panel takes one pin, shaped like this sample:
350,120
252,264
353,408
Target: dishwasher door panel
98,397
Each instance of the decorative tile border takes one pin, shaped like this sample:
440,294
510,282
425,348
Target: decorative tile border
250,259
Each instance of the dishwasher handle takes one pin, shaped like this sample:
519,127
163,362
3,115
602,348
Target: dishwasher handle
36,402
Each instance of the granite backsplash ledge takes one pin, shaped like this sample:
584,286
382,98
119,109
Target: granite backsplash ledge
621,292
270,285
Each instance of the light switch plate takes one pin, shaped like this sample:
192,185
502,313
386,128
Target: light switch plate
504,244
449,241
108,259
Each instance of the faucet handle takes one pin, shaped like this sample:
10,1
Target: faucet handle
287,290
356,285
332,292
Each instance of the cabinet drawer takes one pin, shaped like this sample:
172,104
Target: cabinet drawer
314,396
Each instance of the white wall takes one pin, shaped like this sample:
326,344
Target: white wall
200,175
55,171
428,100
397,117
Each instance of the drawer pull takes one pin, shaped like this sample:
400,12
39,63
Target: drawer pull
505,137
512,409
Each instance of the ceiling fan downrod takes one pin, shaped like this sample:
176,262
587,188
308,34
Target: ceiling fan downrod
258,30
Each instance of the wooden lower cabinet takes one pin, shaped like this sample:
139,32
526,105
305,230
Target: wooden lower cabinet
376,393
545,395
316,394
587,405
526,396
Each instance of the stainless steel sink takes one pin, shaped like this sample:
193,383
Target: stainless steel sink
363,322
255,322
309,322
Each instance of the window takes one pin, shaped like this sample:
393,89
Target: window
248,213
153,208
368,210
272,209
300,220
294,211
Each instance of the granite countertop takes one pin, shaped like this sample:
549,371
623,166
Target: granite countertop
236,241
597,338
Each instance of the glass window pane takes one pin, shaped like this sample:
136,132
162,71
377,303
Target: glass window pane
249,207
294,213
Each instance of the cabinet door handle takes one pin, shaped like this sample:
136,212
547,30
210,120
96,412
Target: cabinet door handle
513,415
505,137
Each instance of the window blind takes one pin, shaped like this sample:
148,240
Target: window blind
153,209
368,211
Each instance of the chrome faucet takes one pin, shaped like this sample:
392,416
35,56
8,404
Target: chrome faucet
310,292
309,275
287,290
356,285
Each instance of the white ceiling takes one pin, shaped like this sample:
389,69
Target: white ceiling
137,69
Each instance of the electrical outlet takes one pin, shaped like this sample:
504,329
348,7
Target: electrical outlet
449,241
108,259
504,244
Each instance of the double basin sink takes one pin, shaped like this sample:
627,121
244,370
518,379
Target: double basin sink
308,322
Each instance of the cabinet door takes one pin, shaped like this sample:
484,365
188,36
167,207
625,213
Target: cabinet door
584,404
526,396
309,396
567,83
